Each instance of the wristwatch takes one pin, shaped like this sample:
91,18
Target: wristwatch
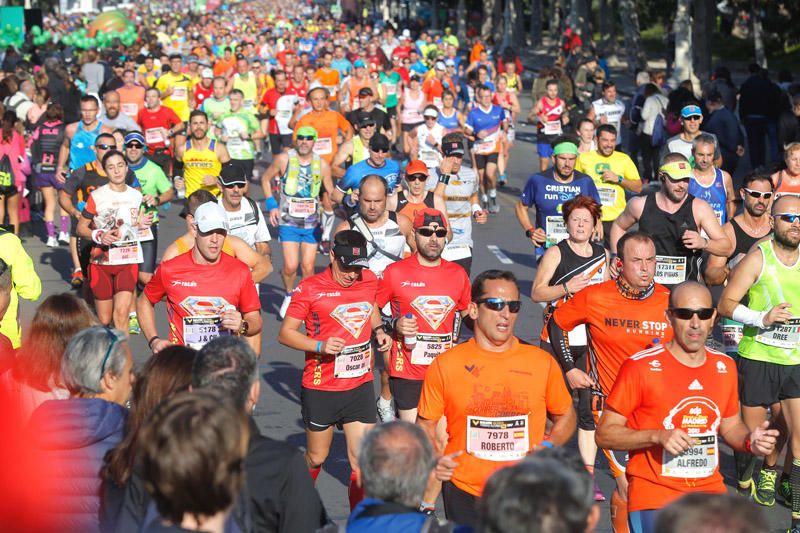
529,232
243,328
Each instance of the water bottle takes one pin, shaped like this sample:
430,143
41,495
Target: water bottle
410,341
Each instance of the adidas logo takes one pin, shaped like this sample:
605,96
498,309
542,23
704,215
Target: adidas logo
695,385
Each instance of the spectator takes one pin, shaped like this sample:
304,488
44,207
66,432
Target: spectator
22,101
711,513
93,72
13,174
193,450
162,377
721,82
655,105
722,122
6,349
759,99
789,125
72,436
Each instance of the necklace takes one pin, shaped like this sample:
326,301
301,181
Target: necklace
634,294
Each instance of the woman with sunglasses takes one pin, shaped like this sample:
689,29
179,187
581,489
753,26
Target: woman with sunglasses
565,269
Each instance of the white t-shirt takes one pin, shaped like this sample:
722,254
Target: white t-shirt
248,225
284,108
427,153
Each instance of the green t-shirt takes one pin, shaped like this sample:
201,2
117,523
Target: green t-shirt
390,86
215,108
233,125
153,182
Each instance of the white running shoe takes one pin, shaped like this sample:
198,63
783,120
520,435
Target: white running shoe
52,242
385,410
63,237
285,305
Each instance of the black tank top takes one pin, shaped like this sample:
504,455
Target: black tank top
572,264
402,200
743,241
667,230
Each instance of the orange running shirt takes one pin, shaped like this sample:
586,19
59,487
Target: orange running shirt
329,77
496,405
656,391
327,124
617,327
131,100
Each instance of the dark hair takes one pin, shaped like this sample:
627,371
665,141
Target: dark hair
650,89
90,98
582,201
54,112
550,82
105,135
711,513
349,237
113,153
490,275
636,236
162,376
757,176
609,128
198,198
229,364
198,113
192,455
608,84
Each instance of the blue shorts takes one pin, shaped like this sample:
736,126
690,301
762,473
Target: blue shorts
642,521
295,234
544,149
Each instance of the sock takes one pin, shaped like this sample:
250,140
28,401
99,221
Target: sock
328,218
65,224
354,491
51,228
745,463
795,482
132,314
619,513
492,193
314,473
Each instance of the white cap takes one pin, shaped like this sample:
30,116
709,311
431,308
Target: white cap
430,113
209,217
207,73
406,33
440,65
449,62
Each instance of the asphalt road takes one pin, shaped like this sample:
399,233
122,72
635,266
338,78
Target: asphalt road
278,409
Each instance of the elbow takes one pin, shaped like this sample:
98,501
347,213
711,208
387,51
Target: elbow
601,436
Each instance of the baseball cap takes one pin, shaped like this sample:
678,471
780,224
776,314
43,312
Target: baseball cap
207,73
406,33
314,86
379,143
449,63
360,64
417,166
307,131
232,174
209,217
430,113
453,148
691,110
365,91
192,59
440,65
351,256
363,118
425,217
134,136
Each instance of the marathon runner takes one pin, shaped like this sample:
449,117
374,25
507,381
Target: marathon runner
238,129
551,117
495,411
507,99
366,104
682,226
356,149
608,109
202,157
769,350
218,103
565,269
450,118
668,408
414,197
548,190
683,143
710,183
159,124
112,118
412,102
79,137
207,292
391,85
329,77
787,181
485,125
377,164
623,316
429,138
302,175
176,88
337,308
280,107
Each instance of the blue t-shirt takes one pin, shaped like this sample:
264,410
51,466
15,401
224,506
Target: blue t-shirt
390,171
343,66
479,120
548,195
714,195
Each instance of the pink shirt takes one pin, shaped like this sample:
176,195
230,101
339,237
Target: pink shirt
14,150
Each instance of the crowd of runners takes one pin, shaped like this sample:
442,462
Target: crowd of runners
669,292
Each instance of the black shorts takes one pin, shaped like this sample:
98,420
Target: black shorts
246,165
322,409
465,263
149,253
410,127
460,506
405,392
481,160
763,384
583,396
392,112
163,159
278,142
262,116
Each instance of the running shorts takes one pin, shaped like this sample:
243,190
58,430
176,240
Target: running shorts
405,392
762,384
301,235
278,142
107,280
482,160
322,409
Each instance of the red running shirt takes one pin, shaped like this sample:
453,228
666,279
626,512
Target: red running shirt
197,294
656,391
330,310
150,121
433,295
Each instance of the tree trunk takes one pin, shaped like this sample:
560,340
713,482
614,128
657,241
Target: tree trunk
583,12
518,21
488,20
461,13
608,44
499,20
683,43
758,35
536,23
633,38
705,14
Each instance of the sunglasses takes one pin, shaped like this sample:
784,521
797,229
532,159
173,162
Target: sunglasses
684,313
370,125
428,232
673,180
380,150
416,177
791,218
306,138
498,304
693,117
136,146
234,185
114,339
758,194
430,118
105,146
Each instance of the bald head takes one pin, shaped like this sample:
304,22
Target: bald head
689,293
373,184
787,203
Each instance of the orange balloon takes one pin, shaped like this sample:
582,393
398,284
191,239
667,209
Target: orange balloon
108,22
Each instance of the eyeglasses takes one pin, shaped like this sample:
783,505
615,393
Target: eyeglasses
105,146
236,184
498,304
416,177
369,125
676,180
114,339
134,145
693,117
306,138
791,218
758,194
684,313
428,232
380,150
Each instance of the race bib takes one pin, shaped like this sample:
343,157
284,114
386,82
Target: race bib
353,361
498,439
731,335
429,346
555,230
553,127
453,252
781,335
125,253
332,89
283,114
699,461
248,103
154,135
200,330
323,146
179,93
670,269
608,195
130,109
437,101
429,157
302,207
390,89
145,234
485,146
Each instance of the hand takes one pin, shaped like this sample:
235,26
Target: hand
614,267
159,344
693,240
603,119
232,320
577,283
333,346
430,141
145,221
149,200
538,237
610,177
763,439
384,341
674,441
274,217
179,183
354,196
407,326
446,166
779,313
446,466
209,180
243,135
578,379
740,150
481,217
110,237
61,176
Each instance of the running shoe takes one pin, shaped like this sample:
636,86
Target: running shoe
285,305
502,180
77,278
63,237
484,202
133,325
598,494
793,530
745,488
325,247
785,490
494,208
764,493
385,412
52,242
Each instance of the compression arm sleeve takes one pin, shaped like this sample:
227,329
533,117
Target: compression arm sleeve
560,343
745,315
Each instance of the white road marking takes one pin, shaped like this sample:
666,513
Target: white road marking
498,253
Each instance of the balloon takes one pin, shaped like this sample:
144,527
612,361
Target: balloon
36,30
109,22
3,42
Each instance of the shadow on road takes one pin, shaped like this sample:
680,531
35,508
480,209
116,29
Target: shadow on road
283,377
